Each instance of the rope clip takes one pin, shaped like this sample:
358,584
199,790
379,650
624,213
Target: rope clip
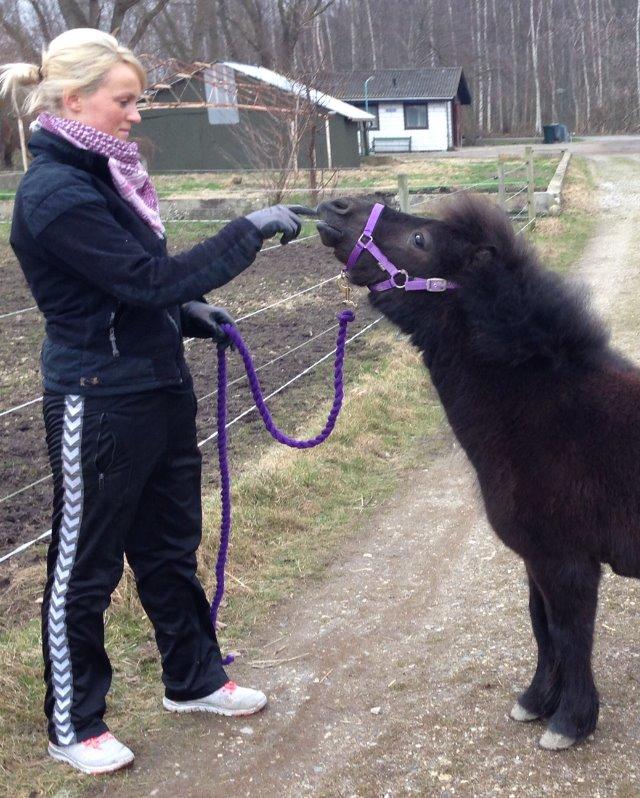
345,289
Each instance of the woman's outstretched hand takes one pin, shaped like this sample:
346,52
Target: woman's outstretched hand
283,219
201,320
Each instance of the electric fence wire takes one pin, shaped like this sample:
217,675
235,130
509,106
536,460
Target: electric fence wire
28,544
190,340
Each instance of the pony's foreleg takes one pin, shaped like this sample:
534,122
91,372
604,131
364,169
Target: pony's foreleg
541,698
570,593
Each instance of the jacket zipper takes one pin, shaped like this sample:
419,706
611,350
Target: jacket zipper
177,329
112,334
173,321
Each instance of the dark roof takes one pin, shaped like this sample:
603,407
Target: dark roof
435,83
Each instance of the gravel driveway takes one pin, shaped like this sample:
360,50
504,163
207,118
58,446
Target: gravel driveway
406,658
589,145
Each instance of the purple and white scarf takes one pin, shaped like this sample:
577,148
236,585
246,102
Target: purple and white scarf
127,172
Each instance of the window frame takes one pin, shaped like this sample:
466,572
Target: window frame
406,105
372,105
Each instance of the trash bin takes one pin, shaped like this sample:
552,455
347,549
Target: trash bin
551,133
556,132
563,133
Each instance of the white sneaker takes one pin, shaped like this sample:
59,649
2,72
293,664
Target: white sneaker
230,699
96,755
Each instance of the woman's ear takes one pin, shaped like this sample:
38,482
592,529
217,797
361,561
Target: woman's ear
72,101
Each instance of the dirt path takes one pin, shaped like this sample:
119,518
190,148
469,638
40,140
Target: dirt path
406,658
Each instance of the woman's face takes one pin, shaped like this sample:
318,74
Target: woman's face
112,107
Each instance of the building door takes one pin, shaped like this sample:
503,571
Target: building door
457,129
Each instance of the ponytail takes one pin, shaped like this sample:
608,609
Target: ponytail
16,79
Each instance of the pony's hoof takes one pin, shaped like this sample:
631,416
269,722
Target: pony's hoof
553,741
522,715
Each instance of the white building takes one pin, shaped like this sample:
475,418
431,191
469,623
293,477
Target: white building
416,110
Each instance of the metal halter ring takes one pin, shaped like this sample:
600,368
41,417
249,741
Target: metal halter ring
404,274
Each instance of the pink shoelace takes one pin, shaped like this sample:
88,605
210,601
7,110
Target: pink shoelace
96,742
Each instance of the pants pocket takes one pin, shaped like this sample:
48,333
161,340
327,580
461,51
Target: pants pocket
111,459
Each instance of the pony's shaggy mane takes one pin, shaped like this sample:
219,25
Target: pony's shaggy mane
515,309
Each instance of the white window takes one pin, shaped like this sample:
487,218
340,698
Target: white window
416,116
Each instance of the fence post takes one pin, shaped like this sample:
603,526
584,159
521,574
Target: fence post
531,186
403,193
502,194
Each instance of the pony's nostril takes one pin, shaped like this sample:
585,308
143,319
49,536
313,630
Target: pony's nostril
341,206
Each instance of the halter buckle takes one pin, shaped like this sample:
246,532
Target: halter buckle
365,243
436,284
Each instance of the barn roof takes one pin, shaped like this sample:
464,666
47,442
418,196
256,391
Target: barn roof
326,101
434,83
270,78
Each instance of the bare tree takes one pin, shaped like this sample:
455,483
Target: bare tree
525,60
499,89
583,53
638,55
32,24
514,65
277,137
294,17
372,39
534,34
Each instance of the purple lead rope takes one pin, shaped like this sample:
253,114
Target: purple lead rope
344,318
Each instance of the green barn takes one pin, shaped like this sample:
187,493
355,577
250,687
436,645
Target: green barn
227,115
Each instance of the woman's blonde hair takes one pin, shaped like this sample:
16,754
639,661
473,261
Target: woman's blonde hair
77,60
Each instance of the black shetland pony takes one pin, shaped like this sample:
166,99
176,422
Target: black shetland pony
547,413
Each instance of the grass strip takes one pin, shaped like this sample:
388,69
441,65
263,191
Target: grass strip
429,172
292,512
561,240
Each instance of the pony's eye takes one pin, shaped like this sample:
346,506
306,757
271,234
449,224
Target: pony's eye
418,240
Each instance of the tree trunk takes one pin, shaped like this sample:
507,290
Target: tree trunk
499,91
514,69
430,32
638,55
533,34
599,54
585,70
374,54
454,50
331,65
486,68
476,26
354,37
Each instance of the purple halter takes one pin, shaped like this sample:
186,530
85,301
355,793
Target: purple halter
398,278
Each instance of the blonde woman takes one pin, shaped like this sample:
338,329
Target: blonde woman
119,407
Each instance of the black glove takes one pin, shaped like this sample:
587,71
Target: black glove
200,320
283,219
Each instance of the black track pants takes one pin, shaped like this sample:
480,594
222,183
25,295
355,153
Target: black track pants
126,481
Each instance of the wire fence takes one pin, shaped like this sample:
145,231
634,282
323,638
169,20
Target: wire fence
187,341
410,204
290,351
24,546
508,192
18,312
263,309
181,221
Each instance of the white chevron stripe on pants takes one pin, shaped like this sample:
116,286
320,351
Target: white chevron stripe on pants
61,673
